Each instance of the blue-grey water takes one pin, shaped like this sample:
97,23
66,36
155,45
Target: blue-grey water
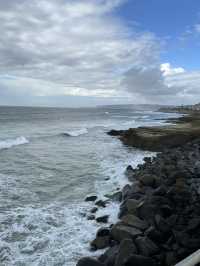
50,160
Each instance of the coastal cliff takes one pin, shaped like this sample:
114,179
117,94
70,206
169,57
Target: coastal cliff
159,218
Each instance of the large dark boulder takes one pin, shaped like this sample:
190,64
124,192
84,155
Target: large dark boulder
120,232
126,249
137,260
89,262
146,246
91,198
134,221
109,257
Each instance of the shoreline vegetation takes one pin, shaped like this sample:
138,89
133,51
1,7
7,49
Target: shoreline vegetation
159,217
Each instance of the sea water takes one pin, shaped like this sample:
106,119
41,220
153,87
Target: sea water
50,160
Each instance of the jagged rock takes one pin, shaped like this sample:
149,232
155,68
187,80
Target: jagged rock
126,191
155,235
134,221
137,260
170,258
109,257
145,246
147,180
117,196
100,242
131,205
146,210
126,249
91,217
120,232
91,198
102,219
160,191
162,224
101,203
94,210
89,262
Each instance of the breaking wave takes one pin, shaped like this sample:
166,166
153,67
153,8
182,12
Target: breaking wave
76,133
9,143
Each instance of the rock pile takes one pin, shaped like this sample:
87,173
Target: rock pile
159,213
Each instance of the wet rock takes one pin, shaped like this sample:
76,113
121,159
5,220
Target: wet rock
162,224
137,260
101,203
91,217
120,232
134,221
132,205
117,196
147,180
160,191
94,210
126,191
155,235
109,257
130,172
126,249
91,198
100,242
146,210
115,132
89,262
146,246
102,219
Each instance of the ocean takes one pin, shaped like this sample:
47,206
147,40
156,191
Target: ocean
50,160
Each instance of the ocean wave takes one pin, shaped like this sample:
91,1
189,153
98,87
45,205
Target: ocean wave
76,133
9,143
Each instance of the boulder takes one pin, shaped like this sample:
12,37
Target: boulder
162,224
155,235
101,203
91,198
147,180
91,217
132,205
126,249
102,219
134,221
109,257
94,210
100,242
117,196
137,260
146,246
120,232
89,262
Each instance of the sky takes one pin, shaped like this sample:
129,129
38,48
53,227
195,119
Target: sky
72,53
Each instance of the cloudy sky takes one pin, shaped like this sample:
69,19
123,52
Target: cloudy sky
90,52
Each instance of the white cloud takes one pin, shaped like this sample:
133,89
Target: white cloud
77,44
168,70
79,48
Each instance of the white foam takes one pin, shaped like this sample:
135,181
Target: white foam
76,133
9,143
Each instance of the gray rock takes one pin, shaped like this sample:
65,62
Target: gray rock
132,205
147,180
120,232
137,260
126,249
102,219
89,262
134,221
91,198
146,246
94,210
100,242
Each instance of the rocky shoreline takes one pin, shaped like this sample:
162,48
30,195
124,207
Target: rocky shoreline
159,218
